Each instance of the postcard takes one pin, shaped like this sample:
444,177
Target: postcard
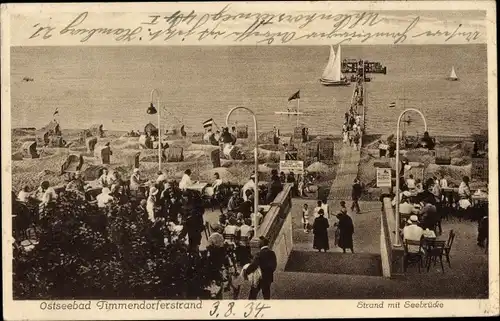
249,160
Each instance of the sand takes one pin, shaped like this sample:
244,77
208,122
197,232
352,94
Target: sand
196,157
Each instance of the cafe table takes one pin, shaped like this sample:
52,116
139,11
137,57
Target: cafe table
429,235
479,199
197,187
448,193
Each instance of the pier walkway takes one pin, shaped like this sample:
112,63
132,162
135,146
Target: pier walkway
349,158
347,170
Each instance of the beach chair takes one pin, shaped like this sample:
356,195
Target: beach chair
72,164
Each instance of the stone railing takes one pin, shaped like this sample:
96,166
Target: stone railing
391,255
277,227
385,238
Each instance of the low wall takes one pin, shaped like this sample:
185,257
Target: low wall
277,228
385,245
392,256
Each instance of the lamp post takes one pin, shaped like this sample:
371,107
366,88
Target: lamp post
256,156
152,110
396,241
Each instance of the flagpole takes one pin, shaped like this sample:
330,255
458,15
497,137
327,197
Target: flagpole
298,115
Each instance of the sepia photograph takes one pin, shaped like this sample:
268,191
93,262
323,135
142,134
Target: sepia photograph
335,170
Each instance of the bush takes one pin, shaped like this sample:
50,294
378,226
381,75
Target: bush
87,253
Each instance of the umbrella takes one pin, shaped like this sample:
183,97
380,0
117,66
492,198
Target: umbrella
318,167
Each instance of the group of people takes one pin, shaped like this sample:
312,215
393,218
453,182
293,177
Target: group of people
344,227
422,206
174,206
218,137
351,129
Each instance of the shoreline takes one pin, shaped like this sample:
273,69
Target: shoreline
447,138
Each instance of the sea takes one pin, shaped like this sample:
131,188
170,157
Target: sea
112,86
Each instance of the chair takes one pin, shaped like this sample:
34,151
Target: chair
229,238
434,250
437,227
447,247
208,230
244,240
230,257
24,222
412,257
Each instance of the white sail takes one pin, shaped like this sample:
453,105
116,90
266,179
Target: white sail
453,75
337,68
333,70
327,73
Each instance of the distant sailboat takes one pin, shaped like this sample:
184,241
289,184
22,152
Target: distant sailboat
453,75
332,75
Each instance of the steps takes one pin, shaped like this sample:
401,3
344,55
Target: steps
334,263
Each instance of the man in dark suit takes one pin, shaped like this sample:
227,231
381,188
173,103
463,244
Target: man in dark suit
266,261
357,190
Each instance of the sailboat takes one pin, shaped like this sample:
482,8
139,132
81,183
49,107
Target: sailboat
453,75
332,75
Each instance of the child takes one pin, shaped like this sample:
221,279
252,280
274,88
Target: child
316,210
305,218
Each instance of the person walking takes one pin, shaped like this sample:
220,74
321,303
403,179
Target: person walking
482,232
266,261
326,208
356,195
320,230
305,218
346,230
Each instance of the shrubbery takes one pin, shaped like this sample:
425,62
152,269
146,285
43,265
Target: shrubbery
87,253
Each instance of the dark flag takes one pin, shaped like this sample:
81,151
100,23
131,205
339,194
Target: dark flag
295,96
56,112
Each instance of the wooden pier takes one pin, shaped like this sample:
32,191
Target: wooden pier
349,157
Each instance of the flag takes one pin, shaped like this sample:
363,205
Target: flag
392,105
208,123
295,96
56,112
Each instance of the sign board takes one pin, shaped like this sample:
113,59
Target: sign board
384,177
287,166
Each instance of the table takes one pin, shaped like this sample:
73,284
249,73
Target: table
430,235
481,197
449,195
197,187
